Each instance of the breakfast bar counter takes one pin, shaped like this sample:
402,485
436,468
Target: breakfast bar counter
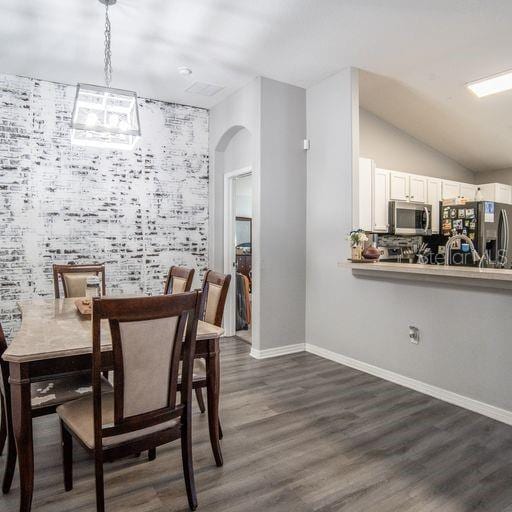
455,275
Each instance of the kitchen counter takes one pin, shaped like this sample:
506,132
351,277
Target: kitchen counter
467,276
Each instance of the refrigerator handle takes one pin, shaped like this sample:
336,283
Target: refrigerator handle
502,239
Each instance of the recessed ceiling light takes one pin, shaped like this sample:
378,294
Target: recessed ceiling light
491,85
182,70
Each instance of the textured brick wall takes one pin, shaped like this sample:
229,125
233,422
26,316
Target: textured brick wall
139,211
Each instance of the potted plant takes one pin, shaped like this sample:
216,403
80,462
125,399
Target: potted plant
357,238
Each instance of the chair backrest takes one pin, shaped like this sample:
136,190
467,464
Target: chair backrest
147,343
215,292
4,366
179,280
74,278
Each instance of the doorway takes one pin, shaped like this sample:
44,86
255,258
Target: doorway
238,250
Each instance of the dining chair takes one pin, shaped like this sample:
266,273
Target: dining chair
178,280
46,396
215,291
74,278
141,412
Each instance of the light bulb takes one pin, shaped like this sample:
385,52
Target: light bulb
92,119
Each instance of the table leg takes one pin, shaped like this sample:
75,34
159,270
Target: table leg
213,391
22,426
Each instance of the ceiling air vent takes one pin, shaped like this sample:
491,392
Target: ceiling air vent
204,89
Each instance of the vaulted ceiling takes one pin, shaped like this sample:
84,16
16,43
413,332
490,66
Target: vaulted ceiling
418,54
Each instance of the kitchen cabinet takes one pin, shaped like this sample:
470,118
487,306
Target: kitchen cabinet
380,200
497,192
407,187
451,189
434,195
468,191
417,189
362,208
399,186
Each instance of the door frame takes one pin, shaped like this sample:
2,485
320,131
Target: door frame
229,243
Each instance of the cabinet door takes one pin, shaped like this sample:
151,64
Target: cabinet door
380,201
503,193
362,213
417,189
468,191
434,197
399,186
451,189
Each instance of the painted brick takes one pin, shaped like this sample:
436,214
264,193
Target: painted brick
139,211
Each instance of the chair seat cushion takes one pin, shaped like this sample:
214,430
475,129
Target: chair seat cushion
199,370
78,417
58,391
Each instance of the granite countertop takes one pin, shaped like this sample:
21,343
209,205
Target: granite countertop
53,328
473,276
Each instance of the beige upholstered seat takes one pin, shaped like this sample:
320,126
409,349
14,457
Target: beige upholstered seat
212,302
78,417
179,285
76,283
58,391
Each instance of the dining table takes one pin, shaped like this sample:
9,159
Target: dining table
54,340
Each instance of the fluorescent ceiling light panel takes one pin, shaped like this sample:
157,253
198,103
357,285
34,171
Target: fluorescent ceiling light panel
491,85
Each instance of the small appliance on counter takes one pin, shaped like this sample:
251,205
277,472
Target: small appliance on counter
399,249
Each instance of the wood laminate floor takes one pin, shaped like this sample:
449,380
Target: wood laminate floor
302,434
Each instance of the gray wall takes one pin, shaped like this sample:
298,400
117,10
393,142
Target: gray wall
392,148
499,176
274,114
139,211
465,332
238,152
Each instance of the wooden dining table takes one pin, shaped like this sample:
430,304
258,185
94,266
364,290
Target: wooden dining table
55,340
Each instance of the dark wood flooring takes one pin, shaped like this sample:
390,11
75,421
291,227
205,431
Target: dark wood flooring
302,434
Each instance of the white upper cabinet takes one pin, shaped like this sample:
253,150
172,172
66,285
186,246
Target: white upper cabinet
418,189
434,195
468,191
362,211
451,189
399,186
497,192
380,200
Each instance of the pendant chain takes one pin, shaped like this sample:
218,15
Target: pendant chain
108,52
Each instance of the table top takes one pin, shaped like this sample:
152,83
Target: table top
52,328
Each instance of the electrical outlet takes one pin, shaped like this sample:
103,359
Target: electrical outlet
414,334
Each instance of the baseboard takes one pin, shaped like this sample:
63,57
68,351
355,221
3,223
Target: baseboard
278,351
491,411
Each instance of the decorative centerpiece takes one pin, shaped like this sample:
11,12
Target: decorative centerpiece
357,238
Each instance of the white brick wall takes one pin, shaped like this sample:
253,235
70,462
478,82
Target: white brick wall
139,211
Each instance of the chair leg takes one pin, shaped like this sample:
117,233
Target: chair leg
100,486
188,466
10,463
67,457
152,454
3,425
212,395
221,434
200,400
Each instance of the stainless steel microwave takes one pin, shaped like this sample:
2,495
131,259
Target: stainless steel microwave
410,218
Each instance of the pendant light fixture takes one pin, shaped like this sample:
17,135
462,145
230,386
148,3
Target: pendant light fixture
102,116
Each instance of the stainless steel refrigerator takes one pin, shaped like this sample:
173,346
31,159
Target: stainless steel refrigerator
487,224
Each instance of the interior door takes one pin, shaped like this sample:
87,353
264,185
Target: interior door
399,186
418,189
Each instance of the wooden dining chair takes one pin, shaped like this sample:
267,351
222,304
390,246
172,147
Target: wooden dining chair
178,280
215,292
142,411
46,397
74,278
